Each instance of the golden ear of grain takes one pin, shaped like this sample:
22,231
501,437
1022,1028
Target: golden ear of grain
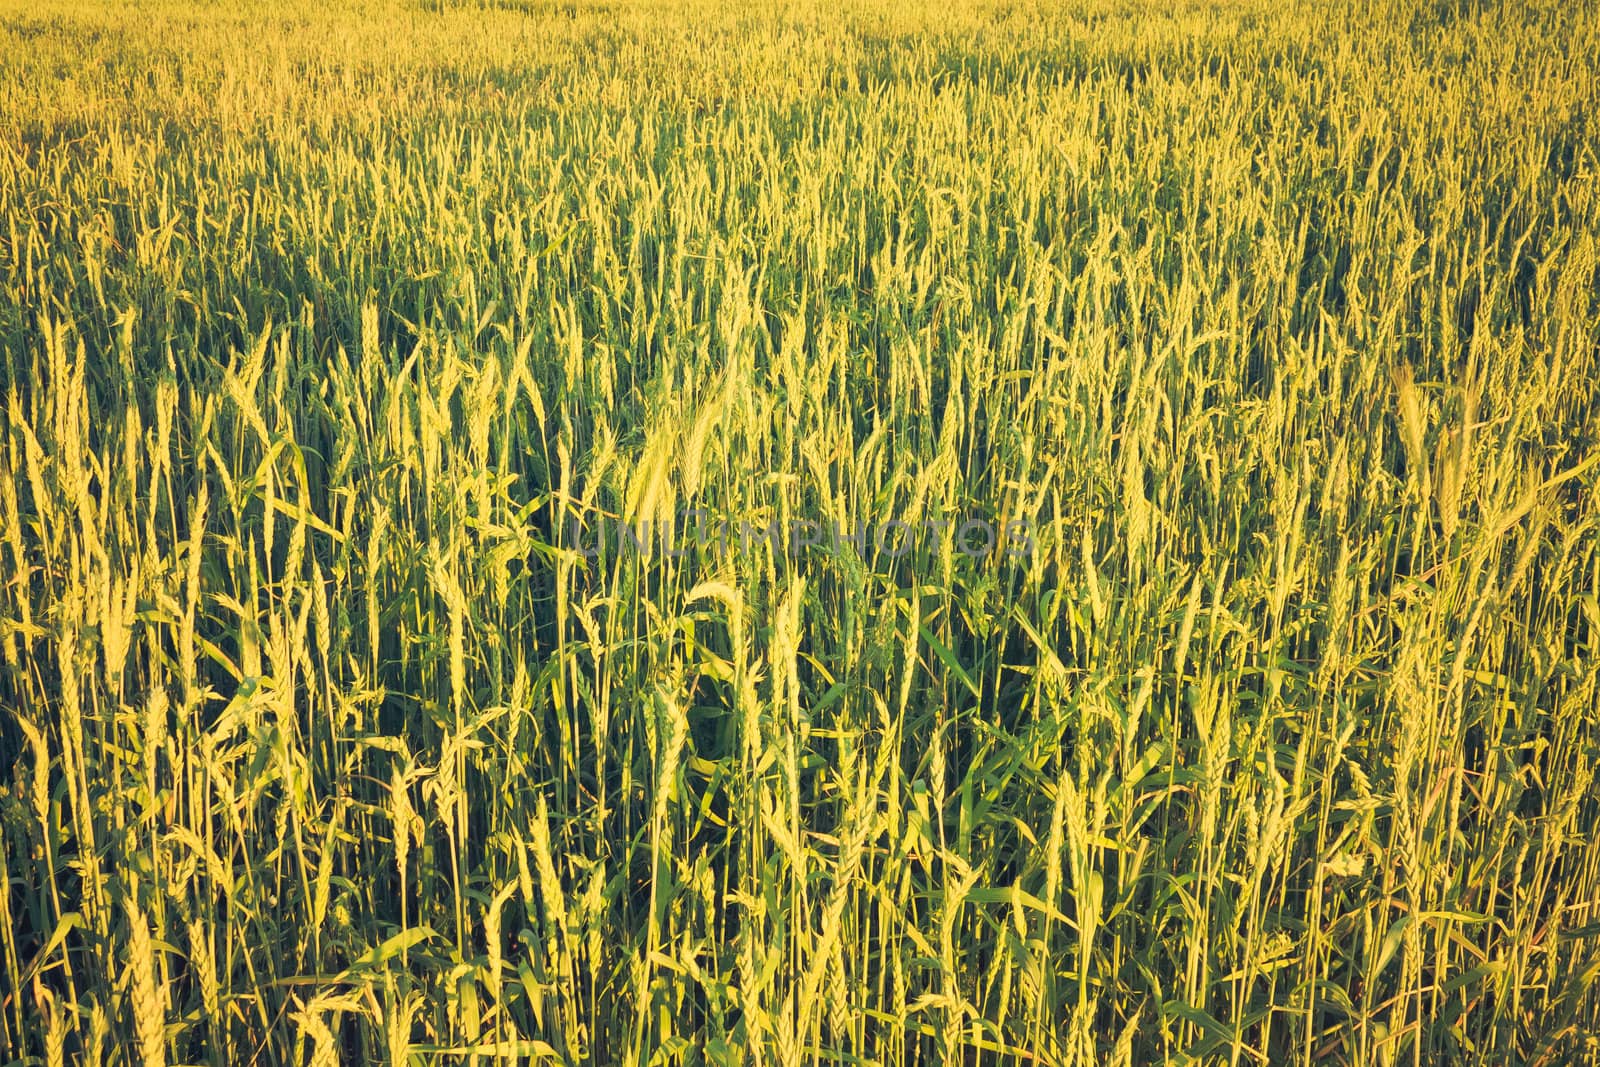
400,816
398,1022
55,1037
148,996
205,970
314,1028
1413,428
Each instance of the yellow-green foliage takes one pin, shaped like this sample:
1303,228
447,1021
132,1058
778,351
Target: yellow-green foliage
322,740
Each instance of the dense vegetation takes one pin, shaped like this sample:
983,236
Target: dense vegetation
329,335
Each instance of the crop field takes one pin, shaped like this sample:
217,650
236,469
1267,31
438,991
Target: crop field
629,532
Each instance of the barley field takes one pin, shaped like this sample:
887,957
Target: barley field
1227,690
